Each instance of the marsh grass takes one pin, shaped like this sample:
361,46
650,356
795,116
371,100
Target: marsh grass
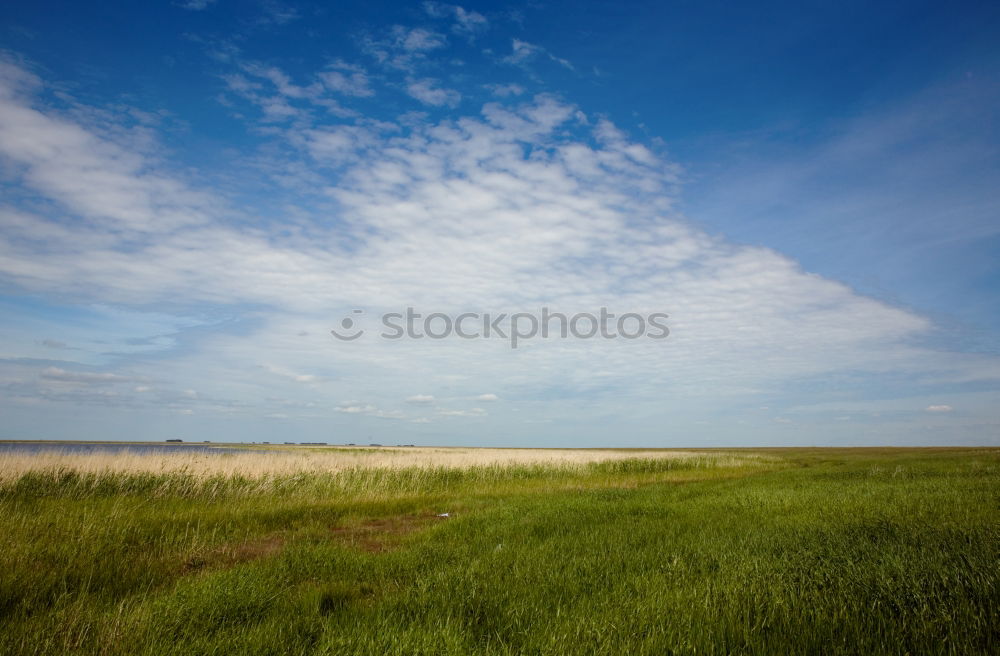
332,474
283,461
777,552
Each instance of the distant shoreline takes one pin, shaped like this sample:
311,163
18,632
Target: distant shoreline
282,445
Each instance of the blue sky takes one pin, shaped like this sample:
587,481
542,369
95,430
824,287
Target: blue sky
194,193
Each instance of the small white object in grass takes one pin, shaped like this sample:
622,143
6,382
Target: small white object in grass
443,515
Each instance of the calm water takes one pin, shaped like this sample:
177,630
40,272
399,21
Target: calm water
82,447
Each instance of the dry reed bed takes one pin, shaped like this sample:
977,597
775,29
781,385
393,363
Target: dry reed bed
261,463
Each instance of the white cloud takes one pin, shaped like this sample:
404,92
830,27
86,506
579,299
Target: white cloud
347,79
355,409
196,5
469,23
474,412
404,48
487,397
281,100
505,90
426,91
83,377
282,82
523,52
418,39
98,177
420,398
338,143
274,12
939,408
437,9
284,372
370,410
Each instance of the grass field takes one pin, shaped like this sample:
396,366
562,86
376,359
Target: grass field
740,552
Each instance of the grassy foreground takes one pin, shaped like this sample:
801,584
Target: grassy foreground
769,552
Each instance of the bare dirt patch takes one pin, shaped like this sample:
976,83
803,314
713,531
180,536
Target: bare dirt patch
383,533
229,555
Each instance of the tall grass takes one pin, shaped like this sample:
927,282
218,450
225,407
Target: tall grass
276,461
80,476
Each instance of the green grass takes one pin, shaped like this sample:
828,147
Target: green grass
799,552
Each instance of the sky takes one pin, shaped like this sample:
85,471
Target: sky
212,213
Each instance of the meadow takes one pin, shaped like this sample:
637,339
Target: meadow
337,551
